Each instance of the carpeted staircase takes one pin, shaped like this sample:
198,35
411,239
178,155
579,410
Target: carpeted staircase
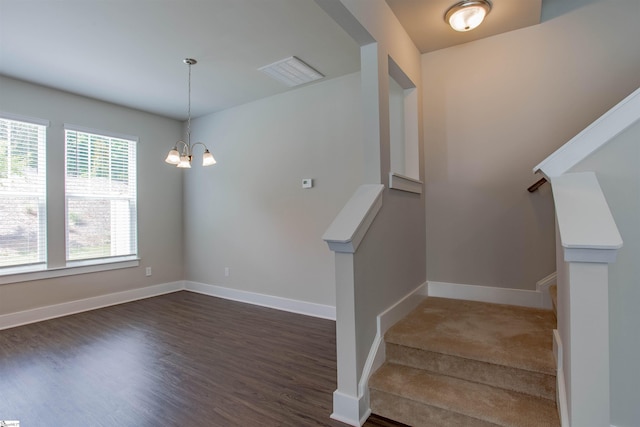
463,363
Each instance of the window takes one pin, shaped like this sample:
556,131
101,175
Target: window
22,193
100,191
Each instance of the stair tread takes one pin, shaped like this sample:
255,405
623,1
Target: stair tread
491,404
519,337
534,383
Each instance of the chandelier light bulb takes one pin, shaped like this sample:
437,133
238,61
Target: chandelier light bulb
207,159
184,160
173,158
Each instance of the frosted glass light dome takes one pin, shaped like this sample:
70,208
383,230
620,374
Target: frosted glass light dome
467,15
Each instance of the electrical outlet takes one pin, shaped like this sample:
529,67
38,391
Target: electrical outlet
226,272
147,271
307,183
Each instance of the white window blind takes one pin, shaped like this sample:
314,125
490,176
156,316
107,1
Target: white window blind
22,193
100,190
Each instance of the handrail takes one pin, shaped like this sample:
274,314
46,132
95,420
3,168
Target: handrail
598,133
350,225
537,185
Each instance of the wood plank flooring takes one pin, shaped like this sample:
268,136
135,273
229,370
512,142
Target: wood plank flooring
180,359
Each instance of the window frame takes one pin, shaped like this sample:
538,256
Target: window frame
42,198
133,220
47,270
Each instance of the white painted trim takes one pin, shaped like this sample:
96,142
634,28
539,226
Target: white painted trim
547,281
279,303
490,294
39,314
402,308
346,409
607,256
543,286
351,224
377,352
583,323
27,119
39,272
598,133
404,183
561,390
375,359
110,134
384,321
19,318
588,232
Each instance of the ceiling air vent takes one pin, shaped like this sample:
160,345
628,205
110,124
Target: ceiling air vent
291,71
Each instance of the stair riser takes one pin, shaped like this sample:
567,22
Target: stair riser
532,383
417,414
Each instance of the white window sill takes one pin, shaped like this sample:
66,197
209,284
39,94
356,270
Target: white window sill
404,183
40,272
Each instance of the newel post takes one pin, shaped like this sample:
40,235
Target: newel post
587,241
344,236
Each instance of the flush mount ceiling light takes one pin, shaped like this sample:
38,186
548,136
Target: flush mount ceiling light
467,15
291,71
183,159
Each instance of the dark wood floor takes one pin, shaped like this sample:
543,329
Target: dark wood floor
180,359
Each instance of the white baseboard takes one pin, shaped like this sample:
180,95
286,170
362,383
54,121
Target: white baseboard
385,320
285,304
543,287
19,318
490,294
400,309
39,314
349,409
561,391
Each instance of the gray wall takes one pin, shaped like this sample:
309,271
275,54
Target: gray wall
249,212
391,260
159,193
617,166
495,108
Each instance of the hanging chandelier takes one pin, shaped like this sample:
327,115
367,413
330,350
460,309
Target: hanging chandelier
182,153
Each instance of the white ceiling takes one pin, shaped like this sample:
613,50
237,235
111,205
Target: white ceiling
424,21
130,52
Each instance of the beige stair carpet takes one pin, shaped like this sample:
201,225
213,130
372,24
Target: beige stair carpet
518,337
465,403
534,383
465,363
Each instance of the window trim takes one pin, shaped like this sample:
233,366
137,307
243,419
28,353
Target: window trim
42,205
41,271
26,119
67,127
84,129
